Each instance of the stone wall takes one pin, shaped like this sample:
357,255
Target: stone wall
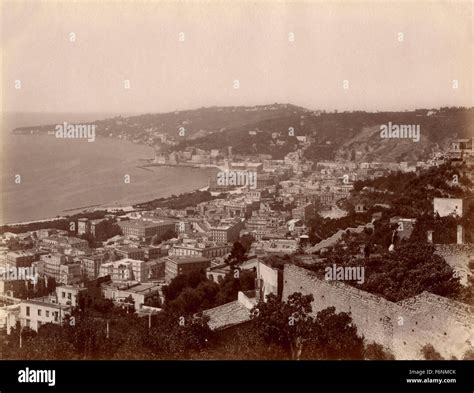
403,328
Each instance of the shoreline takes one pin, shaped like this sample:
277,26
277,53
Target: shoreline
142,162
128,208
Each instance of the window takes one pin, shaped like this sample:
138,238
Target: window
27,311
69,295
39,312
27,323
47,314
63,294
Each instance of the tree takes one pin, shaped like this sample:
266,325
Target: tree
242,342
236,280
179,337
14,244
246,241
90,238
50,343
288,325
169,234
110,229
335,337
408,271
193,292
291,326
237,254
177,284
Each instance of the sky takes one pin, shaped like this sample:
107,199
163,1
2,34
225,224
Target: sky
142,57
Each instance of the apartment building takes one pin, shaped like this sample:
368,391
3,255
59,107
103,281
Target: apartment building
145,230
66,243
125,270
94,227
91,266
200,250
70,274
52,264
35,313
228,231
20,258
303,212
183,265
131,253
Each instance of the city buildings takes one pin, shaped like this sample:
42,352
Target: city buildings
91,265
20,258
34,313
303,212
138,294
200,250
227,231
183,265
145,230
125,270
52,264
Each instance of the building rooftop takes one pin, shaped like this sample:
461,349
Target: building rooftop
227,315
130,249
135,287
184,260
142,224
45,303
20,253
124,261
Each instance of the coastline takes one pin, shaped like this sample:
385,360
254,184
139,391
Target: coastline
105,207
108,194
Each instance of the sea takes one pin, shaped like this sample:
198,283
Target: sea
44,177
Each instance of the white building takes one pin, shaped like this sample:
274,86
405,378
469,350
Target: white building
35,313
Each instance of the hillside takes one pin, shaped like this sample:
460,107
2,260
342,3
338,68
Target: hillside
265,130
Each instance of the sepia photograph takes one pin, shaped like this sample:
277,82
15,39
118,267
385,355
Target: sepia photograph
237,181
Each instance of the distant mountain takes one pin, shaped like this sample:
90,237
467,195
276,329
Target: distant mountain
272,129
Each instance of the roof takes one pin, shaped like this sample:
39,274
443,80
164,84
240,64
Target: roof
145,224
130,249
20,253
137,288
124,261
97,221
45,304
183,260
227,315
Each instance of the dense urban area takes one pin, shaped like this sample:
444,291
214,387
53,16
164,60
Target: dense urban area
315,240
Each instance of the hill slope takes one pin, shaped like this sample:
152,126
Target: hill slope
265,130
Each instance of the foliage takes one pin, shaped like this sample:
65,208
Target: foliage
178,202
237,254
290,325
408,271
193,292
